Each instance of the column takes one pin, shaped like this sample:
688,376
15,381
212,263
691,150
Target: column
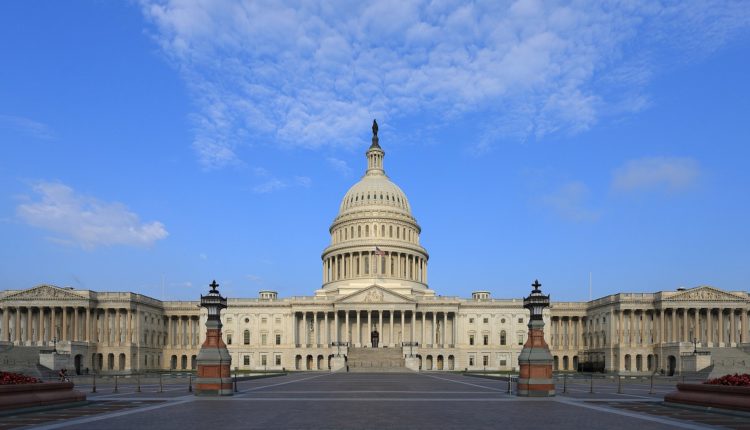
743,330
403,327
698,334
17,330
346,330
88,324
391,341
28,324
336,325
369,326
661,326
732,328
686,325
117,327
412,323
380,329
6,324
40,324
445,328
674,338
315,329
579,335
359,327
326,330
424,322
709,327
129,319
721,326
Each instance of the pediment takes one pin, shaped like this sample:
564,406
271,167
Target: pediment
44,292
374,294
705,294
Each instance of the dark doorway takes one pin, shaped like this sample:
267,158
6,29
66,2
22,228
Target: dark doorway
78,360
375,338
672,365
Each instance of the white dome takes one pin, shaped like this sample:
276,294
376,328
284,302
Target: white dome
375,192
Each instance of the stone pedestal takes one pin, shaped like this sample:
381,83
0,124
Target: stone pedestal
412,363
535,361
214,364
338,363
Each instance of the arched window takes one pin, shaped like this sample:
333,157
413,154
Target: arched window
390,231
246,337
359,231
382,230
503,338
367,231
229,338
367,264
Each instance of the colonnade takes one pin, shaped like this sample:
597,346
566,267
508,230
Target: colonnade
707,326
183,331
45,324
567,332
322,328
368,264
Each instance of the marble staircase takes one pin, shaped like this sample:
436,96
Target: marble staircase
376,360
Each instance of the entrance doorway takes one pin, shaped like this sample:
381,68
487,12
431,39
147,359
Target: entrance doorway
672,365
77,361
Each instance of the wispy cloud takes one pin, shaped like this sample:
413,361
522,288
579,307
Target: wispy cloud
665,173
85,221
340,166
311,74
271,183
26,126
571,201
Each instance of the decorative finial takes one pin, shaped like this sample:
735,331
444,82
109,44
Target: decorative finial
536,285
213,286
375,128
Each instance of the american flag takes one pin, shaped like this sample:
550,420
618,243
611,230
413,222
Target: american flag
379,251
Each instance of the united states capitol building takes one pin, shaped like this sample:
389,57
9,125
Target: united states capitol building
375,297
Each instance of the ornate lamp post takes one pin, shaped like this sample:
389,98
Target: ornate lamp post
535,361
214,362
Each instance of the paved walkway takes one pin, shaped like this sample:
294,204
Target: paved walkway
378,401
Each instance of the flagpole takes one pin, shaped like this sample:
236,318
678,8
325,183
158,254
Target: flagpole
590,286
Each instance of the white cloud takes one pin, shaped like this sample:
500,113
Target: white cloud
275,184
570,201
672,174
340,166
86,221
26,126
313,74
270,186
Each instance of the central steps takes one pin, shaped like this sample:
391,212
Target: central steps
376,360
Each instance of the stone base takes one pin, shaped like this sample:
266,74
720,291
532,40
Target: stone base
214,387
38,395
338,363
711,396
412,363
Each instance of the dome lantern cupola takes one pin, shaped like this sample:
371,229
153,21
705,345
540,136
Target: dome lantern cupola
375,154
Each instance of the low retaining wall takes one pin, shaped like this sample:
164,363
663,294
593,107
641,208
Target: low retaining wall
38,395
711,396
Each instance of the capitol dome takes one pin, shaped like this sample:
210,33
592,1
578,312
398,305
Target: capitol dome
375,237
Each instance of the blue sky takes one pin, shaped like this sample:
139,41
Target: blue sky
154,146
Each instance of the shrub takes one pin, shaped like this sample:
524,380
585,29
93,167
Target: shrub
736,380
10,378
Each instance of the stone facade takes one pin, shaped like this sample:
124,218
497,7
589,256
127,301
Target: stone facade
374,279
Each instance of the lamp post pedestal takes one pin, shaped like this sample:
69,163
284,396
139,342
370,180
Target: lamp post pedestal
213,361
535,360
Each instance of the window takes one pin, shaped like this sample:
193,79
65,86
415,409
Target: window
246,360
246,337
502,338
471,320
486,339
520,320
520,339
503,362
263,339
229,319
263,360
278,360
471,339
229,338
263,320
485,360
247,320
278,320
502,321
486,320
471,361
278,339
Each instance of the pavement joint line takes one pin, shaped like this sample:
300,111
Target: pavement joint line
369,399
666,421
99,417
285,383
375,391
466,383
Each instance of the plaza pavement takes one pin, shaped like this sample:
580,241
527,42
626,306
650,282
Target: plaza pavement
378,401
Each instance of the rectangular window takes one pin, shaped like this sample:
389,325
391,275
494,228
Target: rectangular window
263,339
520,339
246,360
471,339
503,362
486,340
229,319
471,320
229,339
486,320
278,360
471,361
278,320
485,360
520,321
263,360
278,339
263,320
